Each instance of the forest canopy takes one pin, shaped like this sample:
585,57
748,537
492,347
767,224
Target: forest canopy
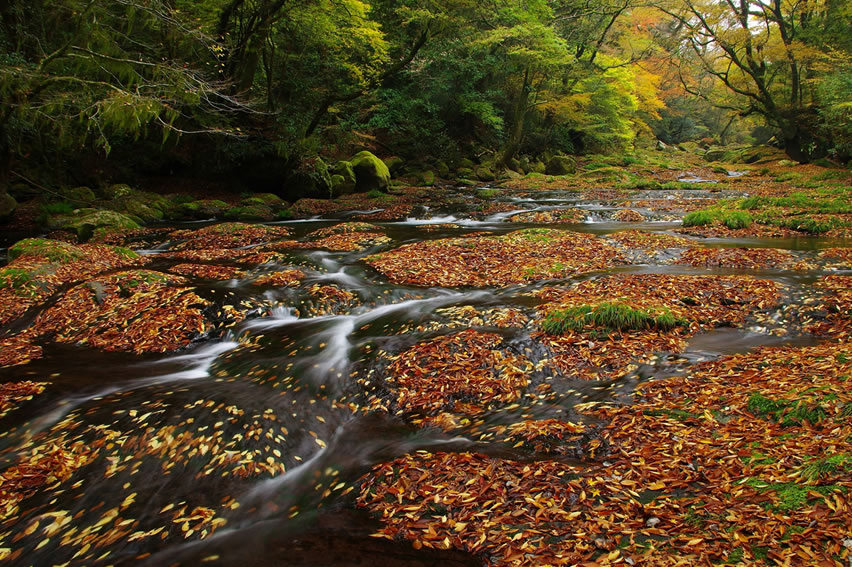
286,81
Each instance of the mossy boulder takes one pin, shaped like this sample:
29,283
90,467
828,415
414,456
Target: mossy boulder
537,167
442,169
561,165
515,165
370,172
203,209
117,191
466,163
52,250
484,173
394,164
425,178
85,225
135,208
464,173
79,196
270,199
8,204
250,213
347,182
312,179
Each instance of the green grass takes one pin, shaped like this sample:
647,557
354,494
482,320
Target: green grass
610,316
737,219
731,218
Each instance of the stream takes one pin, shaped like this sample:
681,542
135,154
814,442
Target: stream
284,392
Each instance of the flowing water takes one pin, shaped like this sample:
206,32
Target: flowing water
290,375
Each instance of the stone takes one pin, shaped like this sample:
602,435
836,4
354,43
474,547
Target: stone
118,190
85,225
394,164
79,195
347,182
561,165
370,172
442,169
483,173
8,204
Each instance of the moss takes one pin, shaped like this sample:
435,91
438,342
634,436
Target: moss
250,213
52,250
426,178
79,195
85,225
22,282
8,204
484,173
790,495
786,412
370,171
487,193
117,191
815,469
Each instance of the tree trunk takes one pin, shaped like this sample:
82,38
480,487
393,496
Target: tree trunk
519,115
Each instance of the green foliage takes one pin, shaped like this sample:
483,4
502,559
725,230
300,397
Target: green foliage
609,316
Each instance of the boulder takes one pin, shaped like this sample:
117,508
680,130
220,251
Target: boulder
715,154
85,225
203,209
466,163
118,190
442,169
464,173
394,164
511,174
537,167
270,199
312,180
561,165
79,196
135,208
425,178
250,213
515,165
8,204
370,172
347,183
483,173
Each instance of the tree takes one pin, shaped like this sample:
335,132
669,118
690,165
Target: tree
77,72
763,52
